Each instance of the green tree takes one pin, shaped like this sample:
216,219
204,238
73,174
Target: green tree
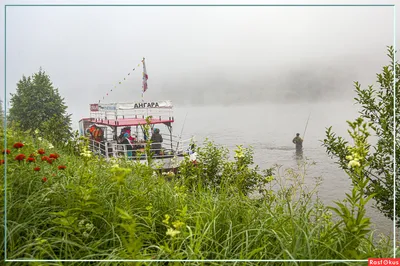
377,108
38,105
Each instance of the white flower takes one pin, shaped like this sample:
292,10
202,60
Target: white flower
353,164
193,156
40,138
51,146
81,223
89,226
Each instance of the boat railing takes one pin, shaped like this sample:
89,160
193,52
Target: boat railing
156,113
109,149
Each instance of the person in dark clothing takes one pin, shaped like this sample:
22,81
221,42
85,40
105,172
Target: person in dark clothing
299,143
128,145
156,140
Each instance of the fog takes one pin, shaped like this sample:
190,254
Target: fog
199,55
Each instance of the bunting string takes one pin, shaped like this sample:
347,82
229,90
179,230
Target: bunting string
119,83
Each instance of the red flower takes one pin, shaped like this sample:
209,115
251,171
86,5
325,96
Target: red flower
54,155
61,167
30,159
45,158
1,162
20,157
50,160
36,169
41,151
44,179
18,145
6,151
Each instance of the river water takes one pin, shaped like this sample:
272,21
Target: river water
270,128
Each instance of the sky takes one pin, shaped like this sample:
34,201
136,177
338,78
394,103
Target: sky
198,55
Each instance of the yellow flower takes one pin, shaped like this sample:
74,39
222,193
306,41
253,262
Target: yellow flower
349,157
178,224
171,232
166,221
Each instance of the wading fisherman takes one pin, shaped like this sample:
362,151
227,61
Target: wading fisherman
299,143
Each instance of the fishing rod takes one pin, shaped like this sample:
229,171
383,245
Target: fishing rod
180,137
304,134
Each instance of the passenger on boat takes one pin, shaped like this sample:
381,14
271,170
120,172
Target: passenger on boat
128,145
156,140
97,134
299,143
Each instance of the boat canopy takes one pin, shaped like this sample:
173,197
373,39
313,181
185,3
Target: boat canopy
122,122
131,114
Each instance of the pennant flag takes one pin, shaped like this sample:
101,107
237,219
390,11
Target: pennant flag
144,81
145,77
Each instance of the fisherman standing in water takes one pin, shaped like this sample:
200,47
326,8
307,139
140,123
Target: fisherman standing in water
299,143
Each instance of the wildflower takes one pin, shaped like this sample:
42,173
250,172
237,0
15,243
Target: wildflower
36,131
20,157
171,174
353,164
349,157
178,224
32,155
44,179
239,152
51,146
1,162
7,151
40,138
36,169
61,167
54,155
18,145
50,160
86,153
30,160
171,232
41,151
166,219
89,226
45,158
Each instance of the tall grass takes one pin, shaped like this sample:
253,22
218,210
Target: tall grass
122,210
